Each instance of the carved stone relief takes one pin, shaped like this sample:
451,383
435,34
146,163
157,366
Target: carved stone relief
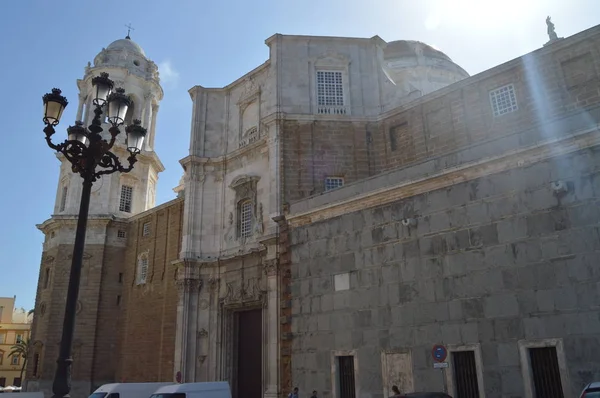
202,333
189,285
243,292
213,283
270,267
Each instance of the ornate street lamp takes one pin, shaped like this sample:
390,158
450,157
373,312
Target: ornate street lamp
87,151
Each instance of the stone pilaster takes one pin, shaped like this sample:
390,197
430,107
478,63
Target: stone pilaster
272,350
189,285
153,126
285,309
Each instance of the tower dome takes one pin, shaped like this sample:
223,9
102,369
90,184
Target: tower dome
126,53
126,44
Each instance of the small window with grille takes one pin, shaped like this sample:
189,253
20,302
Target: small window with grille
245,213
125,200
503,100
146,229
121,234
333,183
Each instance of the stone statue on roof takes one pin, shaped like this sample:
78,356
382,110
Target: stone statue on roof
551,33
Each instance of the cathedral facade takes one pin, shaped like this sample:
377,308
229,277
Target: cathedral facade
337,206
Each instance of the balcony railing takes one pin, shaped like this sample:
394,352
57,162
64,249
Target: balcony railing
331,110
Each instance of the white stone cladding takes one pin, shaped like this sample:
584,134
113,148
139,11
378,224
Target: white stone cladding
235,132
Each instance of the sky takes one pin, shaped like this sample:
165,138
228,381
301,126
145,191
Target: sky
210,43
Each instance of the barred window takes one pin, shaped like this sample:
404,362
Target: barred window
333,183
126,196
504,100
245,218
330,91
146,229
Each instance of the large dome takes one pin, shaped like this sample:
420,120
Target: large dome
417,69
412,48
126,44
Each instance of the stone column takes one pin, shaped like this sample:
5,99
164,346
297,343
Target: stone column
146,112
193,208
204,332
189,284
80,107
153,126
272,376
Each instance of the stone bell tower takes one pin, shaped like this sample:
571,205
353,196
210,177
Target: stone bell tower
115,198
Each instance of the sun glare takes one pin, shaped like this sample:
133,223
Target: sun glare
476,14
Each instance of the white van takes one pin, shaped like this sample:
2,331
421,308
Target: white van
127,390
210,389
37,394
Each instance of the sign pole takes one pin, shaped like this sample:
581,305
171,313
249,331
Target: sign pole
439,354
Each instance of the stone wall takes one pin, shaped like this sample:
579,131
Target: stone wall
148,311
494,263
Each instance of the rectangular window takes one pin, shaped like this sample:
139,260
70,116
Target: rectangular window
3,381
63,199
14,360
333,183
2,338
17,382
396,134
120,277
121,234
36,364
19,338
118,300
1,361
545,373
46,278
146,229
346,382
125,201
504,100
465,374
330,92
1,311
245,219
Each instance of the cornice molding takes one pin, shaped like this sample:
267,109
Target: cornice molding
518,158
62,221
257,145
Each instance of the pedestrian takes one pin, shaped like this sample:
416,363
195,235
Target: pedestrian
314,394
396,392
294,394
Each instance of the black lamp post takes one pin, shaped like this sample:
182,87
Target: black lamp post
87,151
